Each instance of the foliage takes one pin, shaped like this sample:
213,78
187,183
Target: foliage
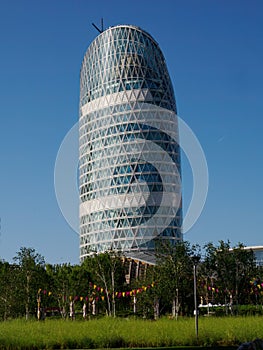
9,291
107,270
225,276
30,276
175,276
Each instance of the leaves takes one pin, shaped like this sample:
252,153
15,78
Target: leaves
224,274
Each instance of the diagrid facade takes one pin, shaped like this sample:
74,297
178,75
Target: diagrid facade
129,165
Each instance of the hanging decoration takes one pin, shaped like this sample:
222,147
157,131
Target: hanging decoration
95,289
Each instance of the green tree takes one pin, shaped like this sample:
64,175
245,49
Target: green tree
31,276
230,269
60,275
149,294
107,270
175,275
208,276
9,292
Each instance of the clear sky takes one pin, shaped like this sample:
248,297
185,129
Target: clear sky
214,53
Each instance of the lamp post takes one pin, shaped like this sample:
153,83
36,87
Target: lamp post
195,259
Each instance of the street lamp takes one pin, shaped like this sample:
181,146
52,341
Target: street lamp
195,259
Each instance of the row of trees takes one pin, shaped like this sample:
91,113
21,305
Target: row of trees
98,285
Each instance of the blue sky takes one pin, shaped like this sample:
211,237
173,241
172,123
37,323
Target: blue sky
214,54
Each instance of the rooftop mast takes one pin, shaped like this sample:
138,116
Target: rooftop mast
101,23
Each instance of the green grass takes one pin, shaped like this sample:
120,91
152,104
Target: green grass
120,333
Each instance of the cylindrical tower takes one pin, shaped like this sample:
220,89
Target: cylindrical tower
129,166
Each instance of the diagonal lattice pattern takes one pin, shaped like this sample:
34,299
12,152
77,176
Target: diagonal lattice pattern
129,167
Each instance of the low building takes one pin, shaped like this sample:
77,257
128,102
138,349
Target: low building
258,252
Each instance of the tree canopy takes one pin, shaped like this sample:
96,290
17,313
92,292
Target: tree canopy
99,285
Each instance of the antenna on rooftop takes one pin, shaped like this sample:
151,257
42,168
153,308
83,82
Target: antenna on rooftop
98,29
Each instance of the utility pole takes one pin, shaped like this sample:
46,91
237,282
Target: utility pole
195,259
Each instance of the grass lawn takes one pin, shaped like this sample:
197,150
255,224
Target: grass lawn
129,333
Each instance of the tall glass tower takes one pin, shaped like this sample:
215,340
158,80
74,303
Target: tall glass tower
129,163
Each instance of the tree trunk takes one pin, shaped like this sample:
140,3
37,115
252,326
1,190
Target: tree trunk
134,304
27,294
156,309
113,294
176,306
108,301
